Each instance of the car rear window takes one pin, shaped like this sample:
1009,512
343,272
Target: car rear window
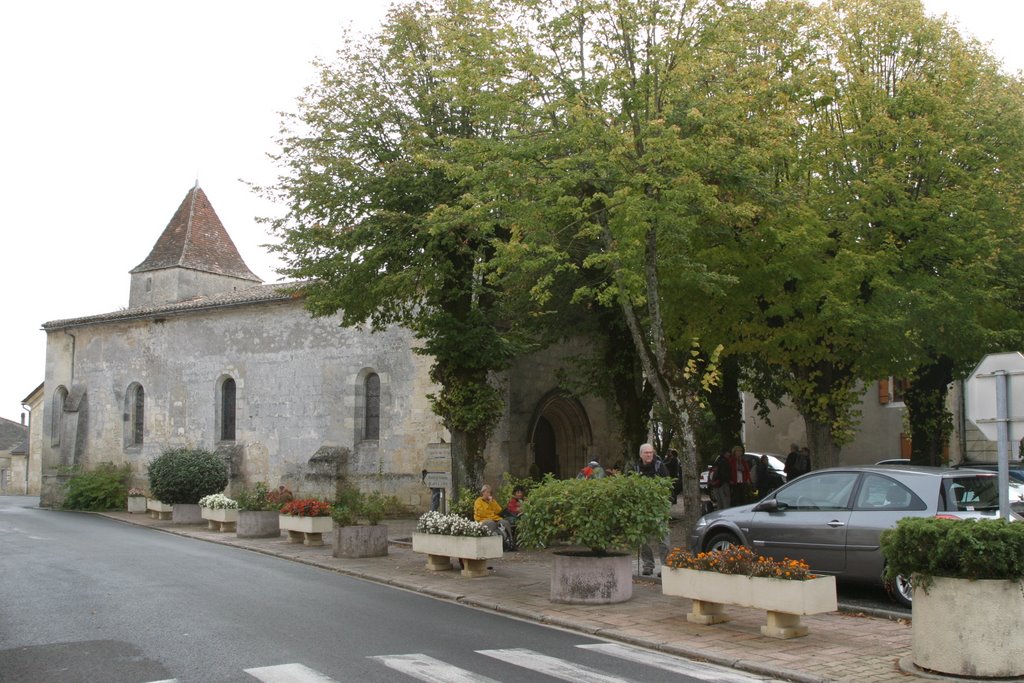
972,493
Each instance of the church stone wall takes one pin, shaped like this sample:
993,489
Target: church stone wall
298,395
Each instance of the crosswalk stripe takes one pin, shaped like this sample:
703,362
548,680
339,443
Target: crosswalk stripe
288,673
551,666
426,668
705,672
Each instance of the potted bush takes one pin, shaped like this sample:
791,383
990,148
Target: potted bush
443,537
219,511
258,511
606,519
136,500
737,576
353,539
179,477
306,520
968,609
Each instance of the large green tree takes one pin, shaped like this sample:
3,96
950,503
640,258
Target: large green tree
382,225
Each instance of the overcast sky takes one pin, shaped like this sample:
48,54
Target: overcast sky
113,110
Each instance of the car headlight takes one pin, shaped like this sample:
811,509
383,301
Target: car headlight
701,523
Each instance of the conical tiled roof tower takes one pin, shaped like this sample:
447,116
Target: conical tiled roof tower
193,257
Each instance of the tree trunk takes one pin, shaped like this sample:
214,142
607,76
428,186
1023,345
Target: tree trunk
824,450
930,422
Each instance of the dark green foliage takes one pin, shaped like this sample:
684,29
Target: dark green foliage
611,513
924,547
184,475
102,488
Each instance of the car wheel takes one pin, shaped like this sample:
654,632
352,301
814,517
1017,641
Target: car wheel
901,590
721,541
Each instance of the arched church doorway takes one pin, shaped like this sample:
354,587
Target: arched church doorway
560,436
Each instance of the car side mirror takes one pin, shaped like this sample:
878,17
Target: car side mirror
769,505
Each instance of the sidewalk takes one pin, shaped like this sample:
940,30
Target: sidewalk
840,646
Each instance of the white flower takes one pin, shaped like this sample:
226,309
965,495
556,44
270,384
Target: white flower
218,501
450,525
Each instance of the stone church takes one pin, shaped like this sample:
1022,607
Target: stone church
206,355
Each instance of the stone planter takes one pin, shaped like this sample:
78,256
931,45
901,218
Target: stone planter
158,510
137,504
220,519
785,601
474,551
306,530
258,524
187,513
362,540
973,629
582,578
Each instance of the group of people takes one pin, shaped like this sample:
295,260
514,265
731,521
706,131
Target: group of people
732,481
500,520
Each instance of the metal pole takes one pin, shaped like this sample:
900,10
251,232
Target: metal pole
1003,441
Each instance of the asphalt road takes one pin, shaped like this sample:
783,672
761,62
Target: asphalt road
88,599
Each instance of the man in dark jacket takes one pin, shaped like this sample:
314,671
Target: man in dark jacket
651,466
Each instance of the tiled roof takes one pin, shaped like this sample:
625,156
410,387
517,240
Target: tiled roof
196,239
11,434
238,297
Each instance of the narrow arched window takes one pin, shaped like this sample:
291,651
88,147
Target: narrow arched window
371,425
60,397
227,410
134,415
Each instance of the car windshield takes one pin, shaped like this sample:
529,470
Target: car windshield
968,494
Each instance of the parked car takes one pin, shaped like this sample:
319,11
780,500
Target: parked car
833,518
1015,468
774,460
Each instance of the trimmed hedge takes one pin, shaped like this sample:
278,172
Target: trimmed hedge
184,475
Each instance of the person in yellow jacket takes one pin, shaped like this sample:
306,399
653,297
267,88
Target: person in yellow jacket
487,511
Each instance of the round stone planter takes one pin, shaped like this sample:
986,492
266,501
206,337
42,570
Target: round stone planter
258,524
362,540
187,513
973,629
582,578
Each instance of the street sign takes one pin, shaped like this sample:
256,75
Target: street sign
983,387
438,480
439,457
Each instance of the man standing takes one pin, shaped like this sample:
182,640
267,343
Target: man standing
651,466
798,462
740,478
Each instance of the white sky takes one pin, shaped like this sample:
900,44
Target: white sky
113,109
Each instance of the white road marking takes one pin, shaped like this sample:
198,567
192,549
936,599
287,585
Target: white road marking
552,666
426,668
705,672
289,673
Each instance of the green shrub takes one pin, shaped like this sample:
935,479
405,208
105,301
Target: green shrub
509,484
601,514
464,505
925,547
395,508
184,475
372,507
103,488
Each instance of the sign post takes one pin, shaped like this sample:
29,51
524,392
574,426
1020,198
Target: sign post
995,404
438,474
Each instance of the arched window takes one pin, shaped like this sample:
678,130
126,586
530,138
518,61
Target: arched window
134,415
371,395
227,410
57,418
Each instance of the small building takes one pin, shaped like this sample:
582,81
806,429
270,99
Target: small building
13,458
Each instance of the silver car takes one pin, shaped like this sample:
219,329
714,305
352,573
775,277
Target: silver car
832,518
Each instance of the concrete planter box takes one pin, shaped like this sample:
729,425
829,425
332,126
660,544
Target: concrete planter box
973,629
220,519
187,513
306,530
258,524
158,510
582,578
137,504
785,601
360,541
474,551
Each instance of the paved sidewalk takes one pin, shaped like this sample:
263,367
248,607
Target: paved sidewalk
840,646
